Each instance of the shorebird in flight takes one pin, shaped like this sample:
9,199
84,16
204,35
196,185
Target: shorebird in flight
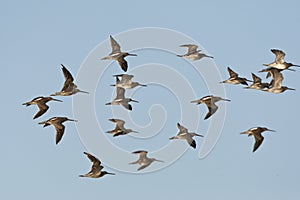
276,83
234,78
186,135
256,133
193,53
210,102
279,62
117,55
121,100
120,129
257,84
143,160
96,169
57,122
69,88
126,82
41,104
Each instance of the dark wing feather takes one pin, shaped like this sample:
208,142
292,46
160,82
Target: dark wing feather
114,45
212,108
92,158
181,128
96,167
119,133
279,55
256,79
193,144
258,141
127,106
68,78
42,109
232,74
142,167
123,63
60,129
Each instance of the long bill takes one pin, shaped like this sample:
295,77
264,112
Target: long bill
73,120
291,89
57,100
226,99
83,92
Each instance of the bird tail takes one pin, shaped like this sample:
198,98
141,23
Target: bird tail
195,101
27,104
55,94
133,163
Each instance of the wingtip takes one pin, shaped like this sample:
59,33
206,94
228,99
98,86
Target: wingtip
193,144
207,116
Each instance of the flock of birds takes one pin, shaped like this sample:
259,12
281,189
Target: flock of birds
124,82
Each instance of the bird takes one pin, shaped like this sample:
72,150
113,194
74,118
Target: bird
57,122
279,62
185,135
69,88
126,82
41,104
193,53
119,129
96,169
234,78
256,133
257,84
121,100
117,55
143,160
276,82
210,101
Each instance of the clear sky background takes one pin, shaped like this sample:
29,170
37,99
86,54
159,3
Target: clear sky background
36,37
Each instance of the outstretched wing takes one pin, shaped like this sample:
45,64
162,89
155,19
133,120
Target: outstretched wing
96,167
119,123
123,63
42,109
191,48
126,78
114,46
279,55
277,78
60,129
142,154
256,79
258,141
68,78
120,93
126,105
212,108
181,128
232,74
143,166
191,142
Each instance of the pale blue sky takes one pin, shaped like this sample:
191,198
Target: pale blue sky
36,37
